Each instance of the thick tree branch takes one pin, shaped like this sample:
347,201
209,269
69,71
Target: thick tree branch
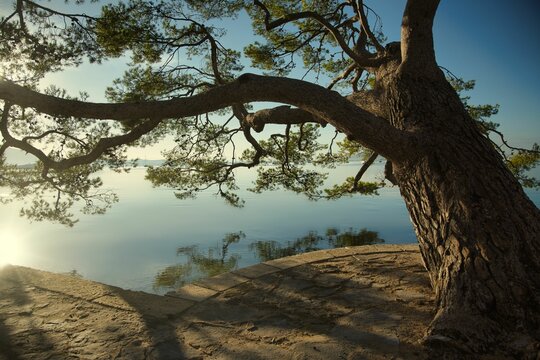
281,115
240,112
417,49
359,59
369,101
370,130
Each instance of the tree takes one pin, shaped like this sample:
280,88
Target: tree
479,234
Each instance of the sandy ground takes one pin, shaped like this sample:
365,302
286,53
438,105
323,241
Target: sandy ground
370,302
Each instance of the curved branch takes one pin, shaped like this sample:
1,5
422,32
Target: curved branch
239,111
57,132
365,166
370,130
360,60
504,141
358,5
213,52
354,81
101,147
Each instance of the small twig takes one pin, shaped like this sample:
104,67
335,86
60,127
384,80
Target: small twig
501,135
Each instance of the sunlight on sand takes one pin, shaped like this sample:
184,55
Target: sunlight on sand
11,251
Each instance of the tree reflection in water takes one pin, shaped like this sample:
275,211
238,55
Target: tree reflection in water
197,265
270,250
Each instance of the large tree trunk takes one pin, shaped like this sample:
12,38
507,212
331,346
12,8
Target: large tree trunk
479,233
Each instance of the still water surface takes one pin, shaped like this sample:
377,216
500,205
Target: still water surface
151,241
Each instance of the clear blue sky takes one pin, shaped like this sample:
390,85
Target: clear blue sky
494,42
497,43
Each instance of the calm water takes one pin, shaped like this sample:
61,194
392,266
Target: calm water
151,240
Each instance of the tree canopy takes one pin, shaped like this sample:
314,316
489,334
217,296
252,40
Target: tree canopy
176,60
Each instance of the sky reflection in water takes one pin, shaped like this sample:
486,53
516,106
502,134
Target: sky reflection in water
139,237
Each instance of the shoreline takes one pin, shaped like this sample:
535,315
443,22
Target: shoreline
371,300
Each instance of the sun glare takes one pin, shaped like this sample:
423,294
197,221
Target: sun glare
10,247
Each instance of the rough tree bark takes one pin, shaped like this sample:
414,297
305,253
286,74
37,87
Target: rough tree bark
479,233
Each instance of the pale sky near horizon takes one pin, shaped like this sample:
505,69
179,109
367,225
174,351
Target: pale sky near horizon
493,42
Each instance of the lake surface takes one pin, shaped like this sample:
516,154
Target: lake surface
152,241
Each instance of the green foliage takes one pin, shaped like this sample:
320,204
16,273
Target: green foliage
294,178
480,113
198,162
265,57
131,26
76,184
521,161
51,197
347,188
305,40
50,194
216,9
286,156
45,41
175,51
